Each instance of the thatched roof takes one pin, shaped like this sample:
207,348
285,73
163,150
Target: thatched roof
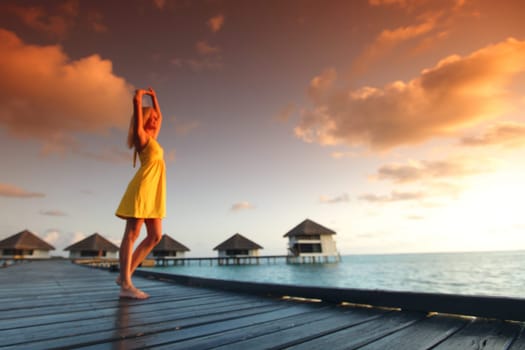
308,227
168,244
237,242
95,242
25,240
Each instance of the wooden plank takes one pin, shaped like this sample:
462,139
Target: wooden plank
127,323
170,338
519,342
482,334
420,335
95,307
82,323
137,327
67,290
305,333
102,292
359,335
277,332
88,305
110,299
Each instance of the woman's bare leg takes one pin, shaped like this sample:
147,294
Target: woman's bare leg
131,234
154,230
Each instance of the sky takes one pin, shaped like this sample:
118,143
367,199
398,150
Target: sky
396,123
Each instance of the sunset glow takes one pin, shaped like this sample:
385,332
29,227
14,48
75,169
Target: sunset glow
398,124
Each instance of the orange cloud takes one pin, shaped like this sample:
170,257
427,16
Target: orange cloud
7,190
183,128
337,199
159,4
215,23
285,113
430,41
56,24
434,23
394,196
340,155
457,93
432,177
199,65
415,217
414,3
110,155
241,206
431,170
95,20
209,60
506,134
387,2
204,48
431,194
321,84
46,96
389,39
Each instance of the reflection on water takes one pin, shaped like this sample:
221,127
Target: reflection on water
487,273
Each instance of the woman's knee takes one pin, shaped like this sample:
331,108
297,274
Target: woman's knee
154,227
133,227
131,236
155,237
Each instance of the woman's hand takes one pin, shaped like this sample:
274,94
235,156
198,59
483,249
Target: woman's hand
151,92
142,92
139,93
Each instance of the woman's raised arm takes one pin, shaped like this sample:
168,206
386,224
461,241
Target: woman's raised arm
155,102
140,137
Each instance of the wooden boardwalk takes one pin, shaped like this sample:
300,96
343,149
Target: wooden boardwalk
56,304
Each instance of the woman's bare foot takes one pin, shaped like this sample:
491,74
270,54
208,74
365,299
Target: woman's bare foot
117,281
132,293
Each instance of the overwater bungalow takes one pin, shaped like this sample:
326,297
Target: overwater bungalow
238,246
24,245
311,242
94,246
168,249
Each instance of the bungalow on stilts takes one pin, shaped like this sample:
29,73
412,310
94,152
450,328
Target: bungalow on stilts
94,246
238,250
168,249
24,245
310,242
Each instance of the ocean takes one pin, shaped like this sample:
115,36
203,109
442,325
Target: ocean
473,273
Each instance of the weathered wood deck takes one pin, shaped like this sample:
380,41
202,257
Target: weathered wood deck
56,304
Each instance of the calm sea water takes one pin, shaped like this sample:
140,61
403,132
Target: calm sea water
487,273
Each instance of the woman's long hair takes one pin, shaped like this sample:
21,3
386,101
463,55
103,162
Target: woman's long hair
146,114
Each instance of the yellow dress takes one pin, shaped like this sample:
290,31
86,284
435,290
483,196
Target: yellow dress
145,196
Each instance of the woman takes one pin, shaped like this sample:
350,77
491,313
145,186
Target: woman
145,198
